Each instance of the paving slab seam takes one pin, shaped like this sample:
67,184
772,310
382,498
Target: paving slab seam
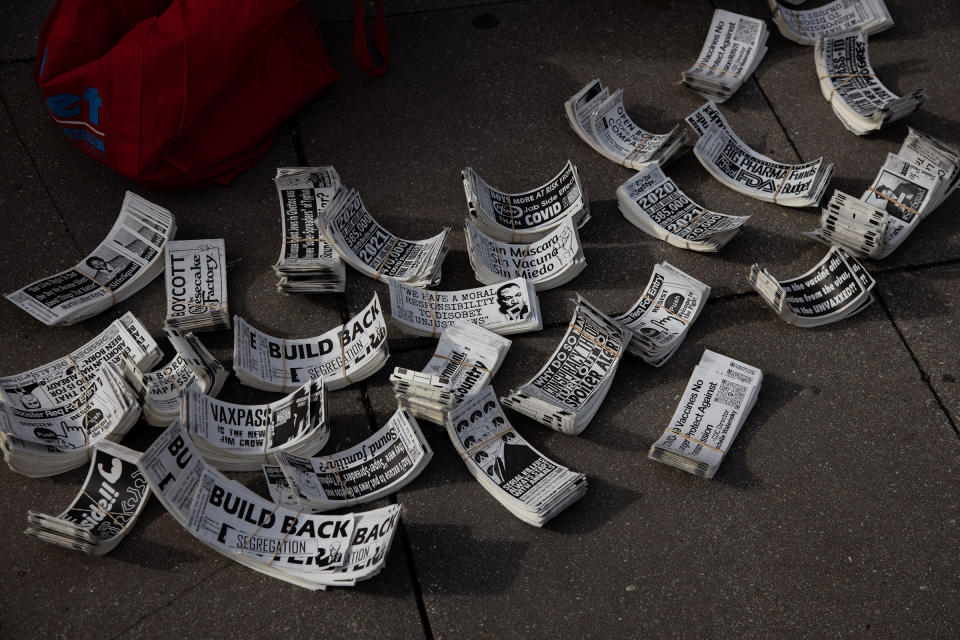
776,116
910,268
296,140
435,10
414,576
924,376
401,529
33,163
773,111
150,613
343,306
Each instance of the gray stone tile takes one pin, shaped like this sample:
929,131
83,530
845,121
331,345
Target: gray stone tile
20,28
926,308
833,515
914,53
497,105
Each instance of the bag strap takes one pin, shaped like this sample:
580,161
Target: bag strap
361,53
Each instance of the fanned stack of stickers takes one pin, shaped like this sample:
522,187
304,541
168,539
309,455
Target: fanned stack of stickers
105,510
343,355
554,260
196,278
192,368
45,442
653,203
129,258
307,262
567,392
368,247
53,414
718,398
237,437
805,26
908,188
506,308
529,215
310,551
382,464
601,120
836,288
848,82
533,487
734,47
861,228
660,320
735,165
466,359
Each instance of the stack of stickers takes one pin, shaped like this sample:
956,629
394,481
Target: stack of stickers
506,308
192,368
567,392
848,82
307,262
718,398
382,464
601,120
836,288
368,247
466,359
549,262
236,437
653,203
529,215
45,442
804,27
660,320
734,164
909,186
533,487
343,355
734,47
123,263
196,279
105,510
311,551
861,228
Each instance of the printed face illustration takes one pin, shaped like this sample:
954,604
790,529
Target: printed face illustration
98,264
498,422
29,400
487,406
480,457
885,190
509,296
509,437
476,415
461,425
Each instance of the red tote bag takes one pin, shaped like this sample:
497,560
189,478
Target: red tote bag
184,93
